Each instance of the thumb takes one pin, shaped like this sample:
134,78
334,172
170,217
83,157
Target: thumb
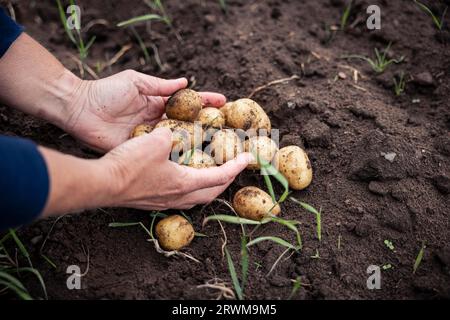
160,142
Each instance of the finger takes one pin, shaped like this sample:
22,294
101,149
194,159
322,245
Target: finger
153,86
209,99
207,195
155,108
159,142
216,176
212,99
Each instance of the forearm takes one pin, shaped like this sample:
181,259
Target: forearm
76,184
34,81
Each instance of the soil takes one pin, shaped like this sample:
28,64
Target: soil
381,162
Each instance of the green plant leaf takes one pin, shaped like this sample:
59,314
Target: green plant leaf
122,224
145,17
273,239
38,276
244,261
235,220
234,277
419,258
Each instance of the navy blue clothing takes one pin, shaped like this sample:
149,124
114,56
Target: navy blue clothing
9,31
24,181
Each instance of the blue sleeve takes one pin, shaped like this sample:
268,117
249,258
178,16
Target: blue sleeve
9,31
24,182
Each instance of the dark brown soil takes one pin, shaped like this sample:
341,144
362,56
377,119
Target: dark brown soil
349,131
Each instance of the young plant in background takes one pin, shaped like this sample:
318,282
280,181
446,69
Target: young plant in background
75,35
439,23
10,269
419,258
318,215
346,14
239,286
381,61
400,84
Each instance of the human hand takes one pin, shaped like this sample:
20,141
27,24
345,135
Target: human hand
143,177
105,111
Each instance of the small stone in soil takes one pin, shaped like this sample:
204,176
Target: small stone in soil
378,188
317,133
424,79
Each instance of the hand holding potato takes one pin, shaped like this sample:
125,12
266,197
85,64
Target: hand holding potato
143,177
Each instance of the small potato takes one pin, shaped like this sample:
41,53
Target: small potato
185,135
184,105
211,117
174,232
293,163
247,115
140,130
255,204
197,159
265,147
225,145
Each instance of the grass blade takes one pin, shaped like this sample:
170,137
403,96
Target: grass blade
234,278
291,226
122,224
273,239
419,258
244,261
234,219
345,15
38,276
313,210
145,17
295,288
268,170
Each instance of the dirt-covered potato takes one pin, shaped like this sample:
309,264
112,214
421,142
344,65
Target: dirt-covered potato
197,159
211,117
174,232
185,135
225,145
265,147
140,130
293,163
255,204
184,105
246,114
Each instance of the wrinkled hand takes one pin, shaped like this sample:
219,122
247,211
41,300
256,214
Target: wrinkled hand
145,178
105,111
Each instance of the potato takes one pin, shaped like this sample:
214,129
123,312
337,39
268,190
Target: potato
184,105
225,145
255,204
265,147
293,163
246,114
197,159
211,117
185,135
140,130
174,232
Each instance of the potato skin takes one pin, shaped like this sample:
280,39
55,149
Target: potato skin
174,232
293,163
265,147
185,135
184,105
140,130
211,117
225,145
197,160
253,203
247,115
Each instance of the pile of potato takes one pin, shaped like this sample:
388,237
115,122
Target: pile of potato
238,126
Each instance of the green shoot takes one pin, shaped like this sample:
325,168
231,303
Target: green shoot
244,261
268,170
317,255
381,62
295,288
346,15
399,86
9,268
130,224
389,244
291,226
145,17
419,258
277,240
439,23
387,266
234,277
318,215
223,5
141,45
75,37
